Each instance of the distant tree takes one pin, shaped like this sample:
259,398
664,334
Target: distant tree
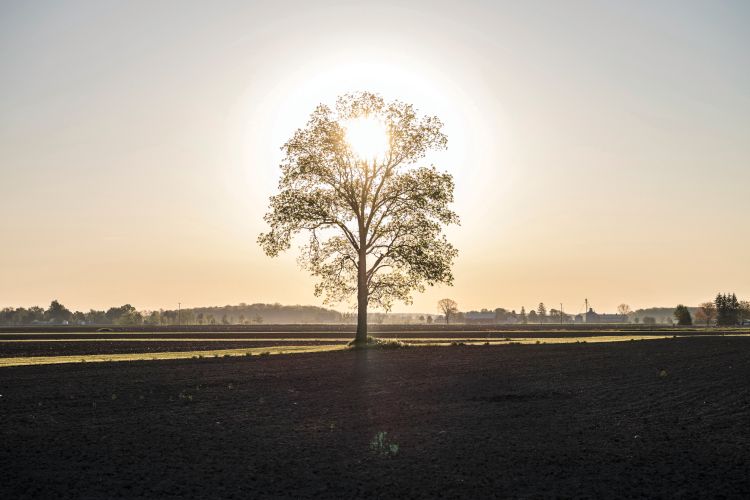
448,307
706,313
152,318
649,320
94,317
532,316
123,315
421,318
501,315
623,309
744,312
242,319
522,315
374,220
541,312
224,319
429,320
57,313
682,315
188,317
727,309
258,319
553,313
636,319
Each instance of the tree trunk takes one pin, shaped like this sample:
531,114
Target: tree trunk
361,336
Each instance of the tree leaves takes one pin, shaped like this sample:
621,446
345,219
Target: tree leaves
387,212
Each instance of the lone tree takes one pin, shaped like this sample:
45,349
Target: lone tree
542,312
706,312
372,217
682,315
623,309
448,307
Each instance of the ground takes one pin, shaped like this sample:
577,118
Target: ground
657,418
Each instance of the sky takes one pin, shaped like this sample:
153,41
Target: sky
600,150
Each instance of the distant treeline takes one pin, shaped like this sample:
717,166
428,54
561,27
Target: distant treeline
724,310
127,315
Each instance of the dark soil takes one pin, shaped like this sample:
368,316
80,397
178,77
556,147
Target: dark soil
339,330
660,418
23,349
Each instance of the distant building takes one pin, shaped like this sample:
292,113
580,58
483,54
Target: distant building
594,317
485,318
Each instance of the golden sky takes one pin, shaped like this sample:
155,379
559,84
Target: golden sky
600,149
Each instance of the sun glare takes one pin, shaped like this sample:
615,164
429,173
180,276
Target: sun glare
367,137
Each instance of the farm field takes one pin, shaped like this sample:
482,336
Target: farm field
661,418
65,345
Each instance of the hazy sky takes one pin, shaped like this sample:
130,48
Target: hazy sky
600,149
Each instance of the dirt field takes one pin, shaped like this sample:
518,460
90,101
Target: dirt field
69,347
658,418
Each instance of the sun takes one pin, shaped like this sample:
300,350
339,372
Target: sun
367,137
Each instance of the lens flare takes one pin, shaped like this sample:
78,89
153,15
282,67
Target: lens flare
367,137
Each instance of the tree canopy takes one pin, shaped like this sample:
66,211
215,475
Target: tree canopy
373,225
682,315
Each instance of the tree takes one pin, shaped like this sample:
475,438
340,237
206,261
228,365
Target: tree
502,315
706,312
123,315
541,312
532,316
623,309
744,312
57,313
429,320
448,307
682,315
522,315
373,219
727,309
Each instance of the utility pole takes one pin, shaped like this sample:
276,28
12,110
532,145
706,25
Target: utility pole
561,314
179,305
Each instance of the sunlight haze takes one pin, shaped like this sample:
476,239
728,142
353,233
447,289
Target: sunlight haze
600,150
